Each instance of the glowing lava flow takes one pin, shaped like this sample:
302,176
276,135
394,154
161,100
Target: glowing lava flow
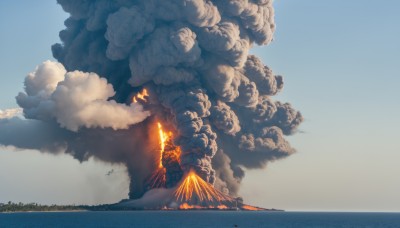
195,191
163,139
250,208
141,96
158,179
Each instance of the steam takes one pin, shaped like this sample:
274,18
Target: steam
154,198
192,57
75,99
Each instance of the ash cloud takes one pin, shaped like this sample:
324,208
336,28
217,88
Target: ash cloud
192,56
133,147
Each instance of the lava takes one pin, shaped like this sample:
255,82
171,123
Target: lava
251,208
193,190
157,179
141,96
186,206
163,138
168,156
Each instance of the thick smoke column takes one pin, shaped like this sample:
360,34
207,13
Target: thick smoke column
192,57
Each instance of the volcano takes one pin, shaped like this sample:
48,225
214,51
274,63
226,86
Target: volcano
166,88
184,191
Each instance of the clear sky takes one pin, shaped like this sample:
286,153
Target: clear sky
340,61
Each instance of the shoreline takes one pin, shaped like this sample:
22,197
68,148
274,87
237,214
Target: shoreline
148,210
12,212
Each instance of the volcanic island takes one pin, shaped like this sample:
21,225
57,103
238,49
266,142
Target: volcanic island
167,88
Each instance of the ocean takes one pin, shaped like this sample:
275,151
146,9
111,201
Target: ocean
208,219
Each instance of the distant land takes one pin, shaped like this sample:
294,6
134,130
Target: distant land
34,207
21,207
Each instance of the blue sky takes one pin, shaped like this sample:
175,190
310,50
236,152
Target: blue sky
339,60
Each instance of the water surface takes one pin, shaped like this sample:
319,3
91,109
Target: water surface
199,219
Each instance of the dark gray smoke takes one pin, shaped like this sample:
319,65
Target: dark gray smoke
192,56
133,147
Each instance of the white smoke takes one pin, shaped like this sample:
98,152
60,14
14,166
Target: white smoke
75,99
155,198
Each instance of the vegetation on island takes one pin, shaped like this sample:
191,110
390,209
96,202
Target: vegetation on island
21,207
34,207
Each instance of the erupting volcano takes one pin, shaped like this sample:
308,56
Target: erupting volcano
192,191
168,89
195,191
168,154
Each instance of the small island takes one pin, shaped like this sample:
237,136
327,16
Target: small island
34,207
11,207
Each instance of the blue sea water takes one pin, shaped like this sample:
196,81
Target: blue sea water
194,219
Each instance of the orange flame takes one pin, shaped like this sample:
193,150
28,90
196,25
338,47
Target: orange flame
163,138
158,178
186,206
222,207
141,96
195,189
250,208
166,144
175,151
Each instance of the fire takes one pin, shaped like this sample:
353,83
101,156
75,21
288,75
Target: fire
195,190
222,207
186,206
169,152
166,145
157,179
192,193
163,138
250,208
141,96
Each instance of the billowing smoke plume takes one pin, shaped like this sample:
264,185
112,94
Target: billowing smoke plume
191,56
75,100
